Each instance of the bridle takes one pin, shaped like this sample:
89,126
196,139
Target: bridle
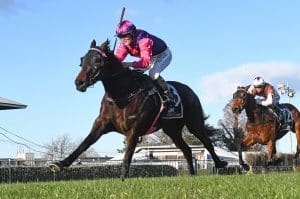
101,52
97,67
239,96
244,97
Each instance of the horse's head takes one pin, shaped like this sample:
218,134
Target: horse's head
95,65
239,100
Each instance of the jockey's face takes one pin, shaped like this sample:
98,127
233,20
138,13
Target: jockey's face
259,89
127,40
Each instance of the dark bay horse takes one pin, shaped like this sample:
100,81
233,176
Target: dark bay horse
130,106
262,126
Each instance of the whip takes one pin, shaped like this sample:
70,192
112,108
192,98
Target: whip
121,19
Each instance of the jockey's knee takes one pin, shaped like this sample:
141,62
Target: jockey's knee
154,74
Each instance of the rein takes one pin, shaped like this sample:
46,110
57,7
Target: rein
115,75
256,110
127,97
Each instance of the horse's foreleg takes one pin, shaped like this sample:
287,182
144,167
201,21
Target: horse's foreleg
99,128
132,141
241,161
240,153
247,142
271,152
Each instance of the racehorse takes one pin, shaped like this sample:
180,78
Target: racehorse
262,125
131,106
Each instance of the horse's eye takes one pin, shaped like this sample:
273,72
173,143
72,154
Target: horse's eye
97,61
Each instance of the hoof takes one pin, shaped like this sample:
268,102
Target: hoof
296,168
55,167
274,162
264,170
246,167
250,171
295,162
122,177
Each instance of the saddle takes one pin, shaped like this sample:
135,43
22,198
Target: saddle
286,120
280,113
283,116
176,110
169,112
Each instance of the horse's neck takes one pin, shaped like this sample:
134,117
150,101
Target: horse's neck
249,114
119,86
251,109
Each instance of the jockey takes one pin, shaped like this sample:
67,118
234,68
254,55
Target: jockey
266,95
153,52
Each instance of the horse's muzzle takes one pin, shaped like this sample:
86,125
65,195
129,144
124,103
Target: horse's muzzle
80,85
236,110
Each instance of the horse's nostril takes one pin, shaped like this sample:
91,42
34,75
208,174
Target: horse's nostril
78,82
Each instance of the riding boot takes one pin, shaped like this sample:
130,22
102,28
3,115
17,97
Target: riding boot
164,91
275,110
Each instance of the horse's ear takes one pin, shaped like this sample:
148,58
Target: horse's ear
93,44
241,87
105,46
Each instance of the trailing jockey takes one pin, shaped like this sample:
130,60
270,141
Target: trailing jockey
267,95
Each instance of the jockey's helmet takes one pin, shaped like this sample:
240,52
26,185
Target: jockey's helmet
258,82
125,28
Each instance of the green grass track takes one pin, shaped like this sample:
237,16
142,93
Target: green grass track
271,185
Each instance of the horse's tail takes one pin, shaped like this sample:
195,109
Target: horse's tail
210,130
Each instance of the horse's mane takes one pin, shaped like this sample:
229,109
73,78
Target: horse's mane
243,88
140,80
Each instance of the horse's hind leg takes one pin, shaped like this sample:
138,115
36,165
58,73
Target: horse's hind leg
200,132
176,137
297,132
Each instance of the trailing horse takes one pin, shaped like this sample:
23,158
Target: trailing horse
132,106
263,126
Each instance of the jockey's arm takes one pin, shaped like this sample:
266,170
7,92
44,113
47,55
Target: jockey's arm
121,52
251,90
145,46
268,101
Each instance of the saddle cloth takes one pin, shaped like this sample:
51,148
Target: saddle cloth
175,111
286,120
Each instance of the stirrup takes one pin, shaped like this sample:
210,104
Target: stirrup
167,102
